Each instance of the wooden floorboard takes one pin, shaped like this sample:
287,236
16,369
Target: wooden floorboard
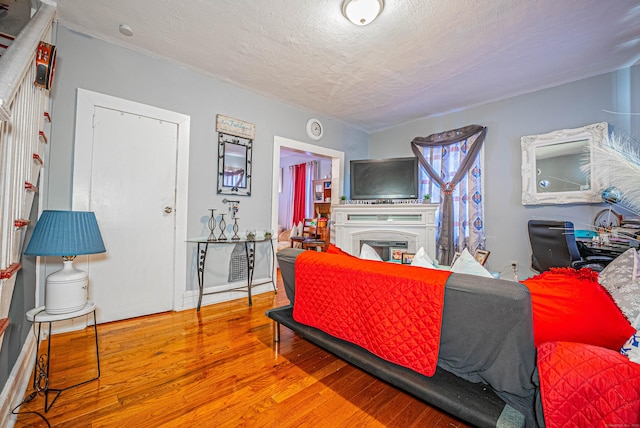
216,368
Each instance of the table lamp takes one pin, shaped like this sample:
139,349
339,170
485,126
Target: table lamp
67,234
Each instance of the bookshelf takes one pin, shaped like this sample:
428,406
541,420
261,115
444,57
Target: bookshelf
322,197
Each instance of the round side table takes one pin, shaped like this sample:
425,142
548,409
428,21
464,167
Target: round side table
41,380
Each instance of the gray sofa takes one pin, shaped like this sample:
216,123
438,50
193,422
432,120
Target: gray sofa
486,363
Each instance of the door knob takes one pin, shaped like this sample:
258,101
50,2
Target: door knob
168,210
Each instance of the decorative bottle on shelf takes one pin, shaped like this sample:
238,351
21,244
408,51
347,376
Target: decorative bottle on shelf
223,226
212,226
235,236
251,235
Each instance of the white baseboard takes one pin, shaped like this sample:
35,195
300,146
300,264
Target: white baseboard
190,298
16,385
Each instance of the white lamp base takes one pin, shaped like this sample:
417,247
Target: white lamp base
66,290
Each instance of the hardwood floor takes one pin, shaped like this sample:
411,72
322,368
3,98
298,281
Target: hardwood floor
216,368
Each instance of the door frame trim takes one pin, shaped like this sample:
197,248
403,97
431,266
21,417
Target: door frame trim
87,101
337,166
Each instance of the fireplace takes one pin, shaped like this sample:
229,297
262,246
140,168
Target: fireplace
412,224
383,248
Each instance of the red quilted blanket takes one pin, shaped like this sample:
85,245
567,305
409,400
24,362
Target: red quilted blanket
587,386
394,311
570,306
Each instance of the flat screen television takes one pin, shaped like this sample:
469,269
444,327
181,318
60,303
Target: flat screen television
384,179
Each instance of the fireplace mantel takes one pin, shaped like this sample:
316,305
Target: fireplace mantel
414,223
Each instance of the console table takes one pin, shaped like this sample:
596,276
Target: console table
250,252
41,372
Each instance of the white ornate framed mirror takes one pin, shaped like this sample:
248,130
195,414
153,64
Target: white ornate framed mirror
551,163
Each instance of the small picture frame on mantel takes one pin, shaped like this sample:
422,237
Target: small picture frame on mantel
481,256
407,258
396,254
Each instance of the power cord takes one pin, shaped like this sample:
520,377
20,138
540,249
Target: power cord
514,270
27,399
41,383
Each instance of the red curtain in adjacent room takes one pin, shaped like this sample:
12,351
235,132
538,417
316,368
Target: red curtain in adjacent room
299,193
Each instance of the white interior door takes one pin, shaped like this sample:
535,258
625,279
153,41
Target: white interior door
131,169
132,192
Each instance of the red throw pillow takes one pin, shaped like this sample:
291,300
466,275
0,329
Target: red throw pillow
332,249
587,386
571,306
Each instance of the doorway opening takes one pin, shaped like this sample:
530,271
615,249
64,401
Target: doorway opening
285,146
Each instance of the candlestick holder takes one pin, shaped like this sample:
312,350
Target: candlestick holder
223,226
235,236
212,226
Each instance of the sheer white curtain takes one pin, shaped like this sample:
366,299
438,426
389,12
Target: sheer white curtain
312,174
453,161
468,206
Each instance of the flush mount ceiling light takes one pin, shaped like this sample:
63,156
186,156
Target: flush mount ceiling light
362,12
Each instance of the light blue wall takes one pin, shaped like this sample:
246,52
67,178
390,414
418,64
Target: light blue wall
568,106
88,63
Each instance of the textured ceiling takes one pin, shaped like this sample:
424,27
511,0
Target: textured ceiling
419,58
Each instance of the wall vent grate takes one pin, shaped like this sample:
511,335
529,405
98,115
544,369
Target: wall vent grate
238,264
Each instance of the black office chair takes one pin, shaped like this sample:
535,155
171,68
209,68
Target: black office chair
553,244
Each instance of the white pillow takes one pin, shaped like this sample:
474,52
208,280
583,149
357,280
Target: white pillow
368,253
620,278
296,230
466,263
422,259
620,272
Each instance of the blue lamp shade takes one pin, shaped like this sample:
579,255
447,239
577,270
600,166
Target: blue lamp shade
65,233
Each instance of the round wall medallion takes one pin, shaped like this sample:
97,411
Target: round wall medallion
314,129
